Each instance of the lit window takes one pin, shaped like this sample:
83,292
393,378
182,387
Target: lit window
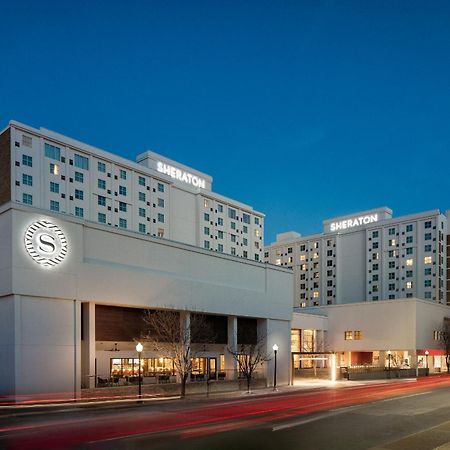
348,335
302,257
315,294
409,262
375,256
206,203
357,335
427,260
392,242
315,255
160,232
277,261
54,169
258,232
409,285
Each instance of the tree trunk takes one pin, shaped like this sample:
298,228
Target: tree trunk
183,385
249,382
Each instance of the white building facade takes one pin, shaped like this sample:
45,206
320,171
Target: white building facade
367,256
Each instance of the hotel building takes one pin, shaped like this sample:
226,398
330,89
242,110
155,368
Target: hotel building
367,256
91,241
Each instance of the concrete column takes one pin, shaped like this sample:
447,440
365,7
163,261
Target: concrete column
230,362
88,346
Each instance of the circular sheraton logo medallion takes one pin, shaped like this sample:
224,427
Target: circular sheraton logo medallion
45,243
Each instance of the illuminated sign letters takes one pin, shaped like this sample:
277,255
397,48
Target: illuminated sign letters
180,175
45,243
355,222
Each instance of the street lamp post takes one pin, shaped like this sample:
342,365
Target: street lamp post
426,360
139,348
389,363
275,351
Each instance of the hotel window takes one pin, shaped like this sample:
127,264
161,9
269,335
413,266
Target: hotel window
428,236
206,245
256,257
233,225
101,184
329,263
409,239
256,220
160,187
392,242
220,208
206,231
266,254
375,298
27,141
79,212
278,262
428,224
358,335
315,255
79,177
303,267
52,152
122,207
375,288
375,267
316,245
375,245
316,285
427,271
409,262
329,252
409,228
220,234
391,264
79,195
206,216
427,248
329,293
257,234
27,199
330,283
54,187
81,162
220,221
160,232
245,218
233,251
303,276
302,257
245,241
27,160
233,237
303,286
123,174
102,217
409,285
141,196
54,205
101,167
302,247
141,212
205,203
392,275
303,304
375,256
428,294
160,218
374,277
316,275
27,180
101,200
391,231
427,283
409,274
142,228
391,296
392,286
231,213
220,248
409,251
122,223
122,190
161,202
141,181
315,294
348,335
54,169
427,260
374,234
392,253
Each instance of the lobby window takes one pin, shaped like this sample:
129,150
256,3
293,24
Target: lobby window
160,218
122,207
220,248
428,236
409,262
79,212
161,202
220,234
232,213
27,199
409,239
220,221
206,217
122,190
81,162
427,248
101,167
122,223
141,196
427,260
54,205
160,232
54,187
409,285
409,251
427,271
358,335
101,184
220,208
123,174
375,234
428,224
160,187
246,218
27,180
206,231
101,218
52,152
101,200
409,274
391,231
54,169
409,228
142,228
27,160
206,245
427,283
141,181
142,212
79,195
348,335
79,177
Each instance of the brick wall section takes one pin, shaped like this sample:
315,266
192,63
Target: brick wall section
5,166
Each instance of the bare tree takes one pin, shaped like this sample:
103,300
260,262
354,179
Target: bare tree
170,334
444,338
249,357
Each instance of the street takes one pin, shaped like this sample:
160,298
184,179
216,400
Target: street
391,415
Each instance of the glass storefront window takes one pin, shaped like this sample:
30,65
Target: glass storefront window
295,340
129,367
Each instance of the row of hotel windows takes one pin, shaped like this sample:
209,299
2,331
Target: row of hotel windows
233,250
409,261
409,240
232,214
220,222
409,228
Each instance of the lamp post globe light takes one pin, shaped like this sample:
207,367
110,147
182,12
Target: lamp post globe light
426,360
275,351
139,348
389,363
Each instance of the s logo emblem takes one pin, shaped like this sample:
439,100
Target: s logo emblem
45,243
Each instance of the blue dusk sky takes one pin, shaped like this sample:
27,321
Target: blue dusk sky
303,109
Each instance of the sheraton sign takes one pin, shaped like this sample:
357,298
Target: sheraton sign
180,175
353,222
